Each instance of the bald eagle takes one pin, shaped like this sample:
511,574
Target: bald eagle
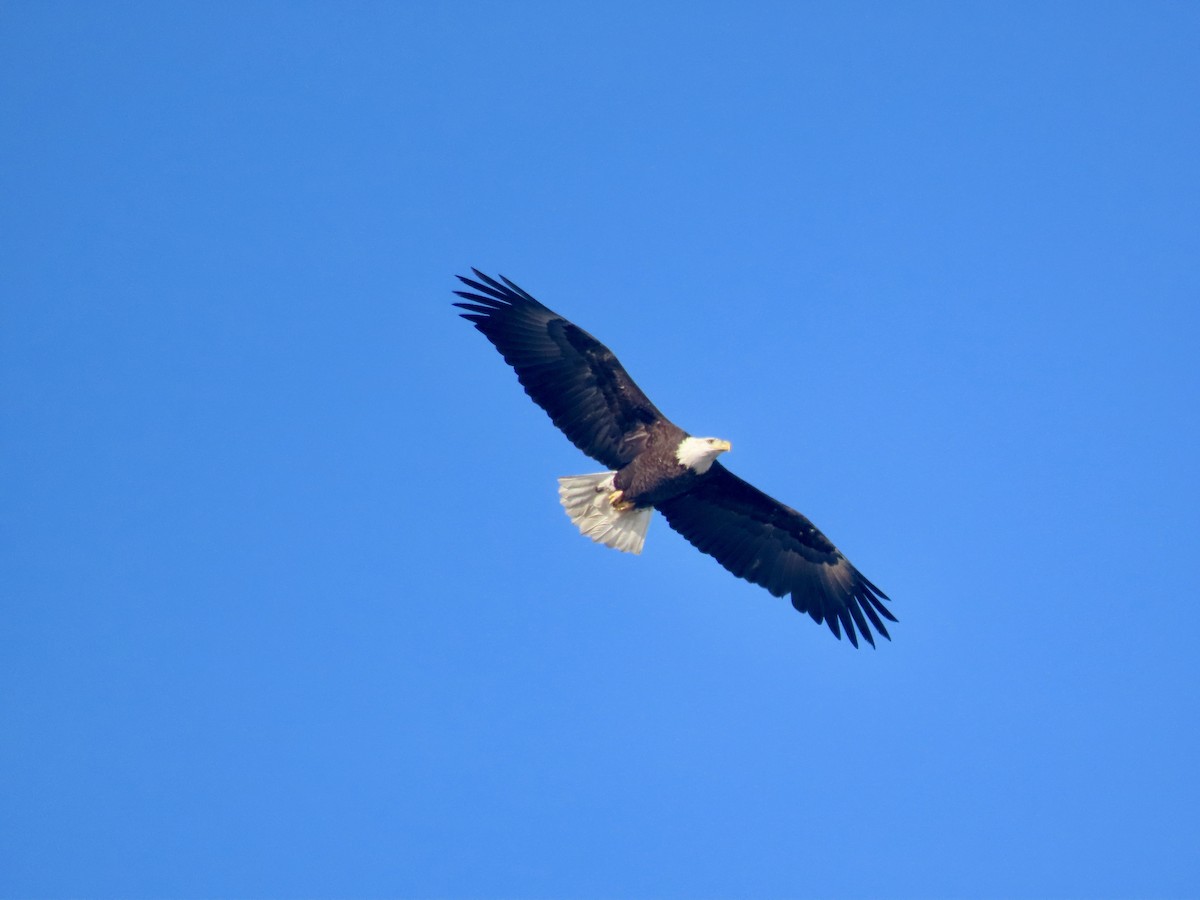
654,464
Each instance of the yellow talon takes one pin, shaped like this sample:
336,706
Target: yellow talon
618,502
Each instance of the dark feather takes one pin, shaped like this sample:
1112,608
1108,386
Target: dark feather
789,554
567,372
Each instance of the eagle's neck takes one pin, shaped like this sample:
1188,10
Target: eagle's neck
698,454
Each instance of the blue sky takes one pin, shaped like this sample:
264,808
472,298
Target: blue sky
289,604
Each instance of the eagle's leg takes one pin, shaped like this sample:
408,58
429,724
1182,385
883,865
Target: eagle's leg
618,502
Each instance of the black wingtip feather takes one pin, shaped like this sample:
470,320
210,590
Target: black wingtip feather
883,610
487,279
489,293
834,626
870,587
861,622
848,624
504,295
476,307
873,616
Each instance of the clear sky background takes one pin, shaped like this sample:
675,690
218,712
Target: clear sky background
289,604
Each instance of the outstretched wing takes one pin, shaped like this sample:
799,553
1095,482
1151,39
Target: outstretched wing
567,372
772,545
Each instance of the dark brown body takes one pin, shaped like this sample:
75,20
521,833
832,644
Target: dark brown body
656,474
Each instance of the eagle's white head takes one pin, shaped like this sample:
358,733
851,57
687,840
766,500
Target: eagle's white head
698,453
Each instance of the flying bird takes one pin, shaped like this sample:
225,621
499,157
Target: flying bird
654,464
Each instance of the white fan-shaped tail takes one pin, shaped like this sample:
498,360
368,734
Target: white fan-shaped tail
585,498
